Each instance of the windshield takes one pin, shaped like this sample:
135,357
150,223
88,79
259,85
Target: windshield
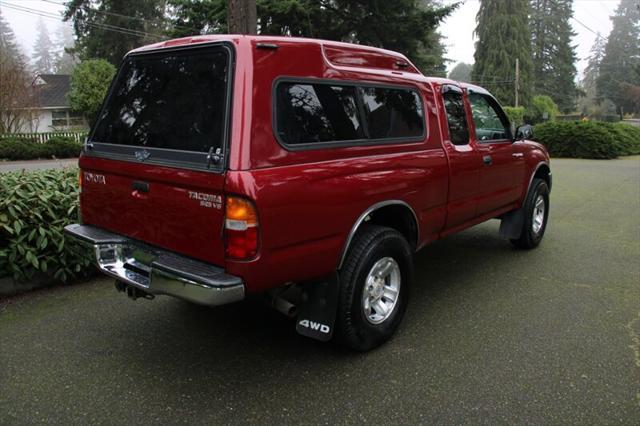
170,100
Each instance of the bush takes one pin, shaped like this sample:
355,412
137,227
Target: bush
627,137
541,106
588,139
62,147
19,149
34,209
15,149
89,85
515,114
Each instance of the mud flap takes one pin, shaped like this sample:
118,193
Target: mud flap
511,224
318,309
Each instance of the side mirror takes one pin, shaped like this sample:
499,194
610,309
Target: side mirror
524,131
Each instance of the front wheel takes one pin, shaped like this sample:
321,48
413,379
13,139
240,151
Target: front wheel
374,288
536,214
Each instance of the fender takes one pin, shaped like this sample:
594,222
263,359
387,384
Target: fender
364,215
511,222
533,173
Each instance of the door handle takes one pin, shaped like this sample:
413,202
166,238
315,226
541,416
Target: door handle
140,186
517,154
487,160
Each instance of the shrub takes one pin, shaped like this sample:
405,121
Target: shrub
515,114
588,139
627,137
34,209
541,106
28,149
19,149
62,147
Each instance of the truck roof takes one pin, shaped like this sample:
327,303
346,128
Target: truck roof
338,54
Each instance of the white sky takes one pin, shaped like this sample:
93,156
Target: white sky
457,29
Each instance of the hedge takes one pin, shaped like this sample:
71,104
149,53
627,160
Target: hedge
34,209
627,137
28,149
515,114
541,106
588,139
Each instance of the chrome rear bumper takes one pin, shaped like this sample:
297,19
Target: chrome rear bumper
157,271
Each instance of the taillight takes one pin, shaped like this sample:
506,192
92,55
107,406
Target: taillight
240,229
79,192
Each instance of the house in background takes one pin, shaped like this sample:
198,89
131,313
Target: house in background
50,109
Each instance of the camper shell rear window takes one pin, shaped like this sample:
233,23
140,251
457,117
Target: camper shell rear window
169,106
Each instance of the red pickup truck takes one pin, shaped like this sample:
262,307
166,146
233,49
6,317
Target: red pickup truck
309,171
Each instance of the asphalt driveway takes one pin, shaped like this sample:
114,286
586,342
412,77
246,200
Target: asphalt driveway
492,335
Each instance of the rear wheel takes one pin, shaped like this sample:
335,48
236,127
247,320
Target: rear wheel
374,288
536,213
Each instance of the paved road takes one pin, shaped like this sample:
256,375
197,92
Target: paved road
10,166
492,335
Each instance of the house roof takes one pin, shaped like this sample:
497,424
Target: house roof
50,90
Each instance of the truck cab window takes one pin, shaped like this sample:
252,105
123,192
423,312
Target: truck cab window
456,116
489,122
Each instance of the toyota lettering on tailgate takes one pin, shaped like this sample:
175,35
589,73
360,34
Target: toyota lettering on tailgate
95,178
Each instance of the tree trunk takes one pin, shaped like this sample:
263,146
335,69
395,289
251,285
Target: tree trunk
242,16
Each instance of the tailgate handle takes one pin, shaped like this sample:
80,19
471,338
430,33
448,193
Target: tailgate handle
140,186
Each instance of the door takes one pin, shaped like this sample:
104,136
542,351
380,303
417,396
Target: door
503,167
464,173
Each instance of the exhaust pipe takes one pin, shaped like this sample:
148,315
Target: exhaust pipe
132,292
284,307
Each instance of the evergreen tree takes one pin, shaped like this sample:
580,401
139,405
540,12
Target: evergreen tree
592,70
43,53
108,29
65,47
432,60
619,78
8,46
191,17
407,26
553,55
461,72
591,104
503,35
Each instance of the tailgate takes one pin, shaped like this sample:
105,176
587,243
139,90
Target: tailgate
153,167
181,211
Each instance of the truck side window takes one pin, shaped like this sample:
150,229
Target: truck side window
307,112
489,123
317,113
456,116
392,113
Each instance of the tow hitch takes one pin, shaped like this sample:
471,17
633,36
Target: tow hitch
132,292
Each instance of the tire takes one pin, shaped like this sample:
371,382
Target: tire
532,230
375,251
